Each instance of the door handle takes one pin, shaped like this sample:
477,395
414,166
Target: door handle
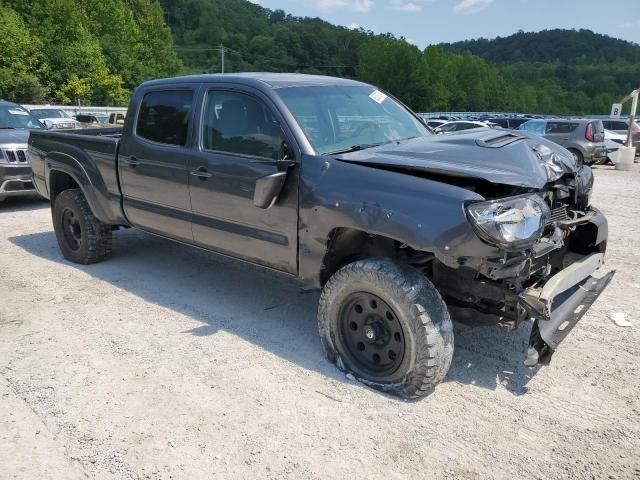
131,161
201,173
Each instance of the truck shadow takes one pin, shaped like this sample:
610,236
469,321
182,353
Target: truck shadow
270,310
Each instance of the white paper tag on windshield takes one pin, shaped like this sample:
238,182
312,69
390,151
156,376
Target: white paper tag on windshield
377,96
18,112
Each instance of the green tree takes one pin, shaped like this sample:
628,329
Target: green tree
394,65
21,59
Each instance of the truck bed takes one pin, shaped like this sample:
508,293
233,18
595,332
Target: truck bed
93,150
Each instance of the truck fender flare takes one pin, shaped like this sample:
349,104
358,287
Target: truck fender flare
64,163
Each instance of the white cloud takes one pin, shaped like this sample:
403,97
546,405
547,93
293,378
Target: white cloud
353,26
363,5
355,5
331,3
470,6
403,6
631,24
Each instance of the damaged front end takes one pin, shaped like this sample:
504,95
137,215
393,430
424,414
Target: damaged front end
551,270
531,245
560,302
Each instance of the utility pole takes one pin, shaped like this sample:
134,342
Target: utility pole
627,154
632,116
222,57
633,96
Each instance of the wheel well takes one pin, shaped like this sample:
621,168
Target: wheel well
59,182
346,245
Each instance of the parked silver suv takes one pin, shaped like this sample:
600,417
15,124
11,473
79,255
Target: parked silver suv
15,171
584,138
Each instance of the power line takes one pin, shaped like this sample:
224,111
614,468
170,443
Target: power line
222,49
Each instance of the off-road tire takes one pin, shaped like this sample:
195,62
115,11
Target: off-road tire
417,305
95,236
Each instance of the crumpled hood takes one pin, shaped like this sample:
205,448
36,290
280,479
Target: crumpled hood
496,155
10,136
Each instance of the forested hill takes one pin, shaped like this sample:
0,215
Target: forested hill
258,39
564,46
97,51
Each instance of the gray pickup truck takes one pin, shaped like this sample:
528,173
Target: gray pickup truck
337,183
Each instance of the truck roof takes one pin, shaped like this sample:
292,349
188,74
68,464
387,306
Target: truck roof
273,80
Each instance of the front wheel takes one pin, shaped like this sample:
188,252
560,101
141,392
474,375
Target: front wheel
81,236
387,325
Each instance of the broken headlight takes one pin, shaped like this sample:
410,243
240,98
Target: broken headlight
510,221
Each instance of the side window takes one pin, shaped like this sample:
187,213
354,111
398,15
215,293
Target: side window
560,127
615,125
164,116
239,123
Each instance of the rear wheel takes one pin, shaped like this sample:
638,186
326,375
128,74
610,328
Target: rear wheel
81,236
387,325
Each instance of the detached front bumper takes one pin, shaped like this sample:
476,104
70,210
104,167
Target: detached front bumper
561,302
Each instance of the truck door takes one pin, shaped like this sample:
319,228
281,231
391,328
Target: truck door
241,141
153,163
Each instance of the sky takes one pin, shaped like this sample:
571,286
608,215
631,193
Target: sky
425,22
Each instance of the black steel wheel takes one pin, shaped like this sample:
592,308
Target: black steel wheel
82,238
72,229
386,324
373,336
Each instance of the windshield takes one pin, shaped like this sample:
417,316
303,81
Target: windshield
339,118
13,116
49,113
534,126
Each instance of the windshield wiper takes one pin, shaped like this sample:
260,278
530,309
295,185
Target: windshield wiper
355,148
7,128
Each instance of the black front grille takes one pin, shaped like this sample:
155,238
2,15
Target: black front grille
16,155
559,214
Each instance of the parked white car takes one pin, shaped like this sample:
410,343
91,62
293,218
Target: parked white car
459,125
55,118
613,141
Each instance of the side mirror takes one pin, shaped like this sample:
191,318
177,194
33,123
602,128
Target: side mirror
268,188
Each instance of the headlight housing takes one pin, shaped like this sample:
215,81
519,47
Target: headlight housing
511,221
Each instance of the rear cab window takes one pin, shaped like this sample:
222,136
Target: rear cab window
164,116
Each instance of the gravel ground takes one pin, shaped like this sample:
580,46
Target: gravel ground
168,362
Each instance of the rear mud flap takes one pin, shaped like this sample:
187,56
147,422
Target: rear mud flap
561,303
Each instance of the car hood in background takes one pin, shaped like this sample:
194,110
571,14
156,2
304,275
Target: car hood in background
14,136
495,155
